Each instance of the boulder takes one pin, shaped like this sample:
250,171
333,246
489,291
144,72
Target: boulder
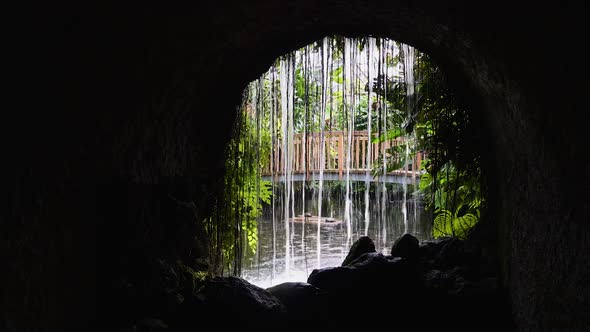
407,247
333,278
430,249
302,301
369,261
235,298
361,246
451,254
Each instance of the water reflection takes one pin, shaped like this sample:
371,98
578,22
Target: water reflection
267,267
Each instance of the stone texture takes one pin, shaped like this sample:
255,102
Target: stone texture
377,286
407,246
361,246
236,302
305,303
111,124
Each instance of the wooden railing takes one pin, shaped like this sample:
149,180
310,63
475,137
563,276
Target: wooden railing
307,154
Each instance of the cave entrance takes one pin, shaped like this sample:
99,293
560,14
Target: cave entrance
344,138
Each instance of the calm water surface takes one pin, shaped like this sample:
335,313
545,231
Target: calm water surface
267,267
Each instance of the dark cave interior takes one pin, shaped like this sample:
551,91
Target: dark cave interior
121,99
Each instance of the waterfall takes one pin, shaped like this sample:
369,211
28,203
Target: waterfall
314,107
259,107
274,143
305,63
286,85
383,73
349,110
290,133
322,142
370,72
409,57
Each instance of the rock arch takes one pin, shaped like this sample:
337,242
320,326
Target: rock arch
120,125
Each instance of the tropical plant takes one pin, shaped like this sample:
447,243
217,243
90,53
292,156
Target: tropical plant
451,182
234,222
454,197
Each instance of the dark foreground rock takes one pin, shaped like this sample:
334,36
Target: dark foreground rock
361,246
234,302
432,285
442,284
406,246
303,302
333,279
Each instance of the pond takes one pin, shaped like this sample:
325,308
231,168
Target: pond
270,265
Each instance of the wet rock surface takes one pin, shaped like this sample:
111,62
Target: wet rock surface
233,302
406,246
304,303
438,284
433,284
361,246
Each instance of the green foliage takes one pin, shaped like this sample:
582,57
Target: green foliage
445,128
337,75
456,198
451,183
447,223
191,280
388,135
234,220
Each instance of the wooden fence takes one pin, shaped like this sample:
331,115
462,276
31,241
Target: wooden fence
307,154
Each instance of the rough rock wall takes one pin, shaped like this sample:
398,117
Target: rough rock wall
136,104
